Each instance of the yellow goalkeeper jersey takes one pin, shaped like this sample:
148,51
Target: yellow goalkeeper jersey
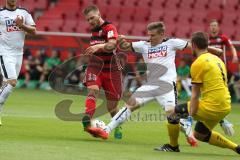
210,71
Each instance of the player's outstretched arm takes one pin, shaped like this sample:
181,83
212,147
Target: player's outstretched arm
234,53
105,47
123,44
213,50
216,51
27,28
194,99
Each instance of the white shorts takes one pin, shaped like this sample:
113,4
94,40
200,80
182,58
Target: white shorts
10,66
166,97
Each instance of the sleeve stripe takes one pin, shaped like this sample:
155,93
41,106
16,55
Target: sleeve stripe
186,45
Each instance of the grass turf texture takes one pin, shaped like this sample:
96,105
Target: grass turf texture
31,131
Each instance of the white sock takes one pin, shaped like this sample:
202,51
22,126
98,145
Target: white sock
4,93
118,119
186,87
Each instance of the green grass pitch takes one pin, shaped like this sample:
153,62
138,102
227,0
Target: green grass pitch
31,131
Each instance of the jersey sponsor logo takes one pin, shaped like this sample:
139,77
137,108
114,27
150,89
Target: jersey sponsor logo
157,52
94,42
11,25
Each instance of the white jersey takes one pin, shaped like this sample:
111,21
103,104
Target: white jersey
163,54
11,36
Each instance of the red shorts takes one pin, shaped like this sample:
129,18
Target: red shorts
111,82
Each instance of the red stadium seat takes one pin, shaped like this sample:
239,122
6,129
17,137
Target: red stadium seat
198,18
216,4
82,27
130,3
101,2
41,4
229,19
171,4
197,27
156,4
114,15
70,25
53,14
118,3
201,5
171,17
71,15
231,6
85,3
50,24
182,31
186,5
142,14
155,15
184,16
170,30
127,14
125,28
139,29
143,3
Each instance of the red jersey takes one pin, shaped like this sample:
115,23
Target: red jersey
219,41
100,35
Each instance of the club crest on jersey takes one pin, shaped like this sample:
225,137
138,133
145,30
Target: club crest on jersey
157,52
11,25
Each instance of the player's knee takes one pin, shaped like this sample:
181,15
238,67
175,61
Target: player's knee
181,110
12,82
202,133
173,119
132,104
93,92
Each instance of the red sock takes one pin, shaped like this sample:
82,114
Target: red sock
90,105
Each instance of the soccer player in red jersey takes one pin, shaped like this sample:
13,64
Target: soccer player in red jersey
103,69
218,40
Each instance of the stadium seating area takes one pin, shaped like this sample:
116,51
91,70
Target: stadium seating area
130,16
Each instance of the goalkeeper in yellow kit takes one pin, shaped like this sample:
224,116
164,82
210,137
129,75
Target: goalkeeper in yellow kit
210,101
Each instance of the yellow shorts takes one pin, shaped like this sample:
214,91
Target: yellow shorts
208,117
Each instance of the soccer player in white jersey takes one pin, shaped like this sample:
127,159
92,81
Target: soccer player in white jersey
15,22
159,55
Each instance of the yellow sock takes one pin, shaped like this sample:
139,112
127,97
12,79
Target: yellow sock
219,140
173,132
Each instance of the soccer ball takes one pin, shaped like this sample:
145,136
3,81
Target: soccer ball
97,123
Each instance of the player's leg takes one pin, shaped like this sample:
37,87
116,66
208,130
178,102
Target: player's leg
10,67
182,111
93,82
112,85
204,134
169,101
90,105
133,103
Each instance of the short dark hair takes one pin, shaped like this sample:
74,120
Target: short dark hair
200,39
156,25
89,9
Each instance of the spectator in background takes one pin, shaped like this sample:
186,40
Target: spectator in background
183,78
218,40
34,67
49,65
